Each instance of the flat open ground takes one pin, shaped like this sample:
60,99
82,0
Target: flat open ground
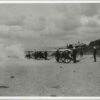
48,78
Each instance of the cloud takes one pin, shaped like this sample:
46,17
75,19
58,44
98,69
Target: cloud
15,50
92,21
43,25
11,51
89,9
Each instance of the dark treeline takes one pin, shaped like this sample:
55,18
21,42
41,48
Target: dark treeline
95,43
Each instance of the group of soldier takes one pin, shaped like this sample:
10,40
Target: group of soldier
61,56
72,55
67,55
41,55
37,55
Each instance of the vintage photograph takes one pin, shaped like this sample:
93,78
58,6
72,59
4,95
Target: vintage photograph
50,50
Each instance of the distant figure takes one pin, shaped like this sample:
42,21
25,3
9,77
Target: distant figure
74,54
57,55
94,53
45,55
81,52
64,56
40,54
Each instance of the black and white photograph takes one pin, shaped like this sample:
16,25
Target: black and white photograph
50,49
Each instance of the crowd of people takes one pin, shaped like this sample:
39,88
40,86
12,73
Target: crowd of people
62,56
37,55
72,55
67,56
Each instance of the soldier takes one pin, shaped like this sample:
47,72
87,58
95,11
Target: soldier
57,55
74,54
94,53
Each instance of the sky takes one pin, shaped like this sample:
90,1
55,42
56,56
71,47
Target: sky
37,26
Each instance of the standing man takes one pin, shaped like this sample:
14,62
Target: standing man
74,54
94,53
57,55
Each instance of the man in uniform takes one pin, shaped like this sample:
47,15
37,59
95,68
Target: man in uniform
57,55
74,54
94,53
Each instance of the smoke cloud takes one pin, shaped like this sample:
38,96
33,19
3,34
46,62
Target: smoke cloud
15,51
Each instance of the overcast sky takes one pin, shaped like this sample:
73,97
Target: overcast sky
48,25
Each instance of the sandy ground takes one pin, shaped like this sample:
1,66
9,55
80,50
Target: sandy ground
48,78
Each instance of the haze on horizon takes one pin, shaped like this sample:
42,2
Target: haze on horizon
48,25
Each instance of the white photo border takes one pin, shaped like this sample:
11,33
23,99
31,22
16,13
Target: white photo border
43,1
44,97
